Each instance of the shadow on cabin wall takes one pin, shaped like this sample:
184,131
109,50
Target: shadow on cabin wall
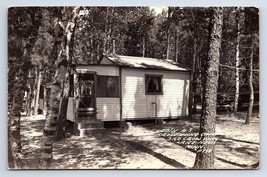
185,99
136,104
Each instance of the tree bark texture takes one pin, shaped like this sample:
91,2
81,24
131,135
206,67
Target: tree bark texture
22,65
14,120
38,84
168,34
205,154
143,47
53,95
193,78
250,85
33,92
56,95
176,44
237,64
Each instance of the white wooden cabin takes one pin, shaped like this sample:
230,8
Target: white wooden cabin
123,88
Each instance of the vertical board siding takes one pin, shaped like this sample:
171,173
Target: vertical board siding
100,70
108,109
133,99
173,102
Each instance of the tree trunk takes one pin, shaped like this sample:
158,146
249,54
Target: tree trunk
60,134
168,35
106,38
28,98
14,120
193,78
56,102
53,100
36,102
176,44
237,64
144,47
251,90
168,44
20,82
205,154
12,71
33,93
98,53
91,51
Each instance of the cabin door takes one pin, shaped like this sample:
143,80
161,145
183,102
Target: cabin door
87,90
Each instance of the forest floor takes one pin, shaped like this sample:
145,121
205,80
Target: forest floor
143,146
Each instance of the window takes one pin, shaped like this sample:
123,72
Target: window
107,86
154,84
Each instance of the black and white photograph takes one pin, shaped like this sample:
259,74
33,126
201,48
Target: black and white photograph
133,87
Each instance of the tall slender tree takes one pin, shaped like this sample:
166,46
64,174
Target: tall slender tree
250,80
252,21
237,64
205,154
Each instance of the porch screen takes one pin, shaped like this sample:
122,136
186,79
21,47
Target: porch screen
107,86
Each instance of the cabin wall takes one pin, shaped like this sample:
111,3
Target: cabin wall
173,103
135,103
108,109
100,70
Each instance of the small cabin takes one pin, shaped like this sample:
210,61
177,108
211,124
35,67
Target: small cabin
122,88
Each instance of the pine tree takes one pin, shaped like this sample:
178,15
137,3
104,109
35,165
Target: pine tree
205,155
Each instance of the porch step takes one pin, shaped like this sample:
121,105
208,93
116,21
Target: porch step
86,118
87,113
87,109
90,124
91,132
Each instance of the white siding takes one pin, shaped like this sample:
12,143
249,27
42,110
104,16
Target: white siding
108,109
173,102
100,70
133,94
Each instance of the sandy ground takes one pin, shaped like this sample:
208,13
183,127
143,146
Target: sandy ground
139,146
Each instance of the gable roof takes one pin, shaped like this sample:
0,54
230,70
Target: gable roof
142,62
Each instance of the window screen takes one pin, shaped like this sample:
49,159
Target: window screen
107,86
153,85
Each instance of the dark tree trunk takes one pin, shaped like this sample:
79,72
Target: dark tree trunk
14,119
168,34
176,38
12,71
193,78
143,47
36,99
62,112
22,66
193,70
205,154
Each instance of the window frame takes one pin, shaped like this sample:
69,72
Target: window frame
161,84
106,87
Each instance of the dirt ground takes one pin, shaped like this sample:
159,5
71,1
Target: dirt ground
140,146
